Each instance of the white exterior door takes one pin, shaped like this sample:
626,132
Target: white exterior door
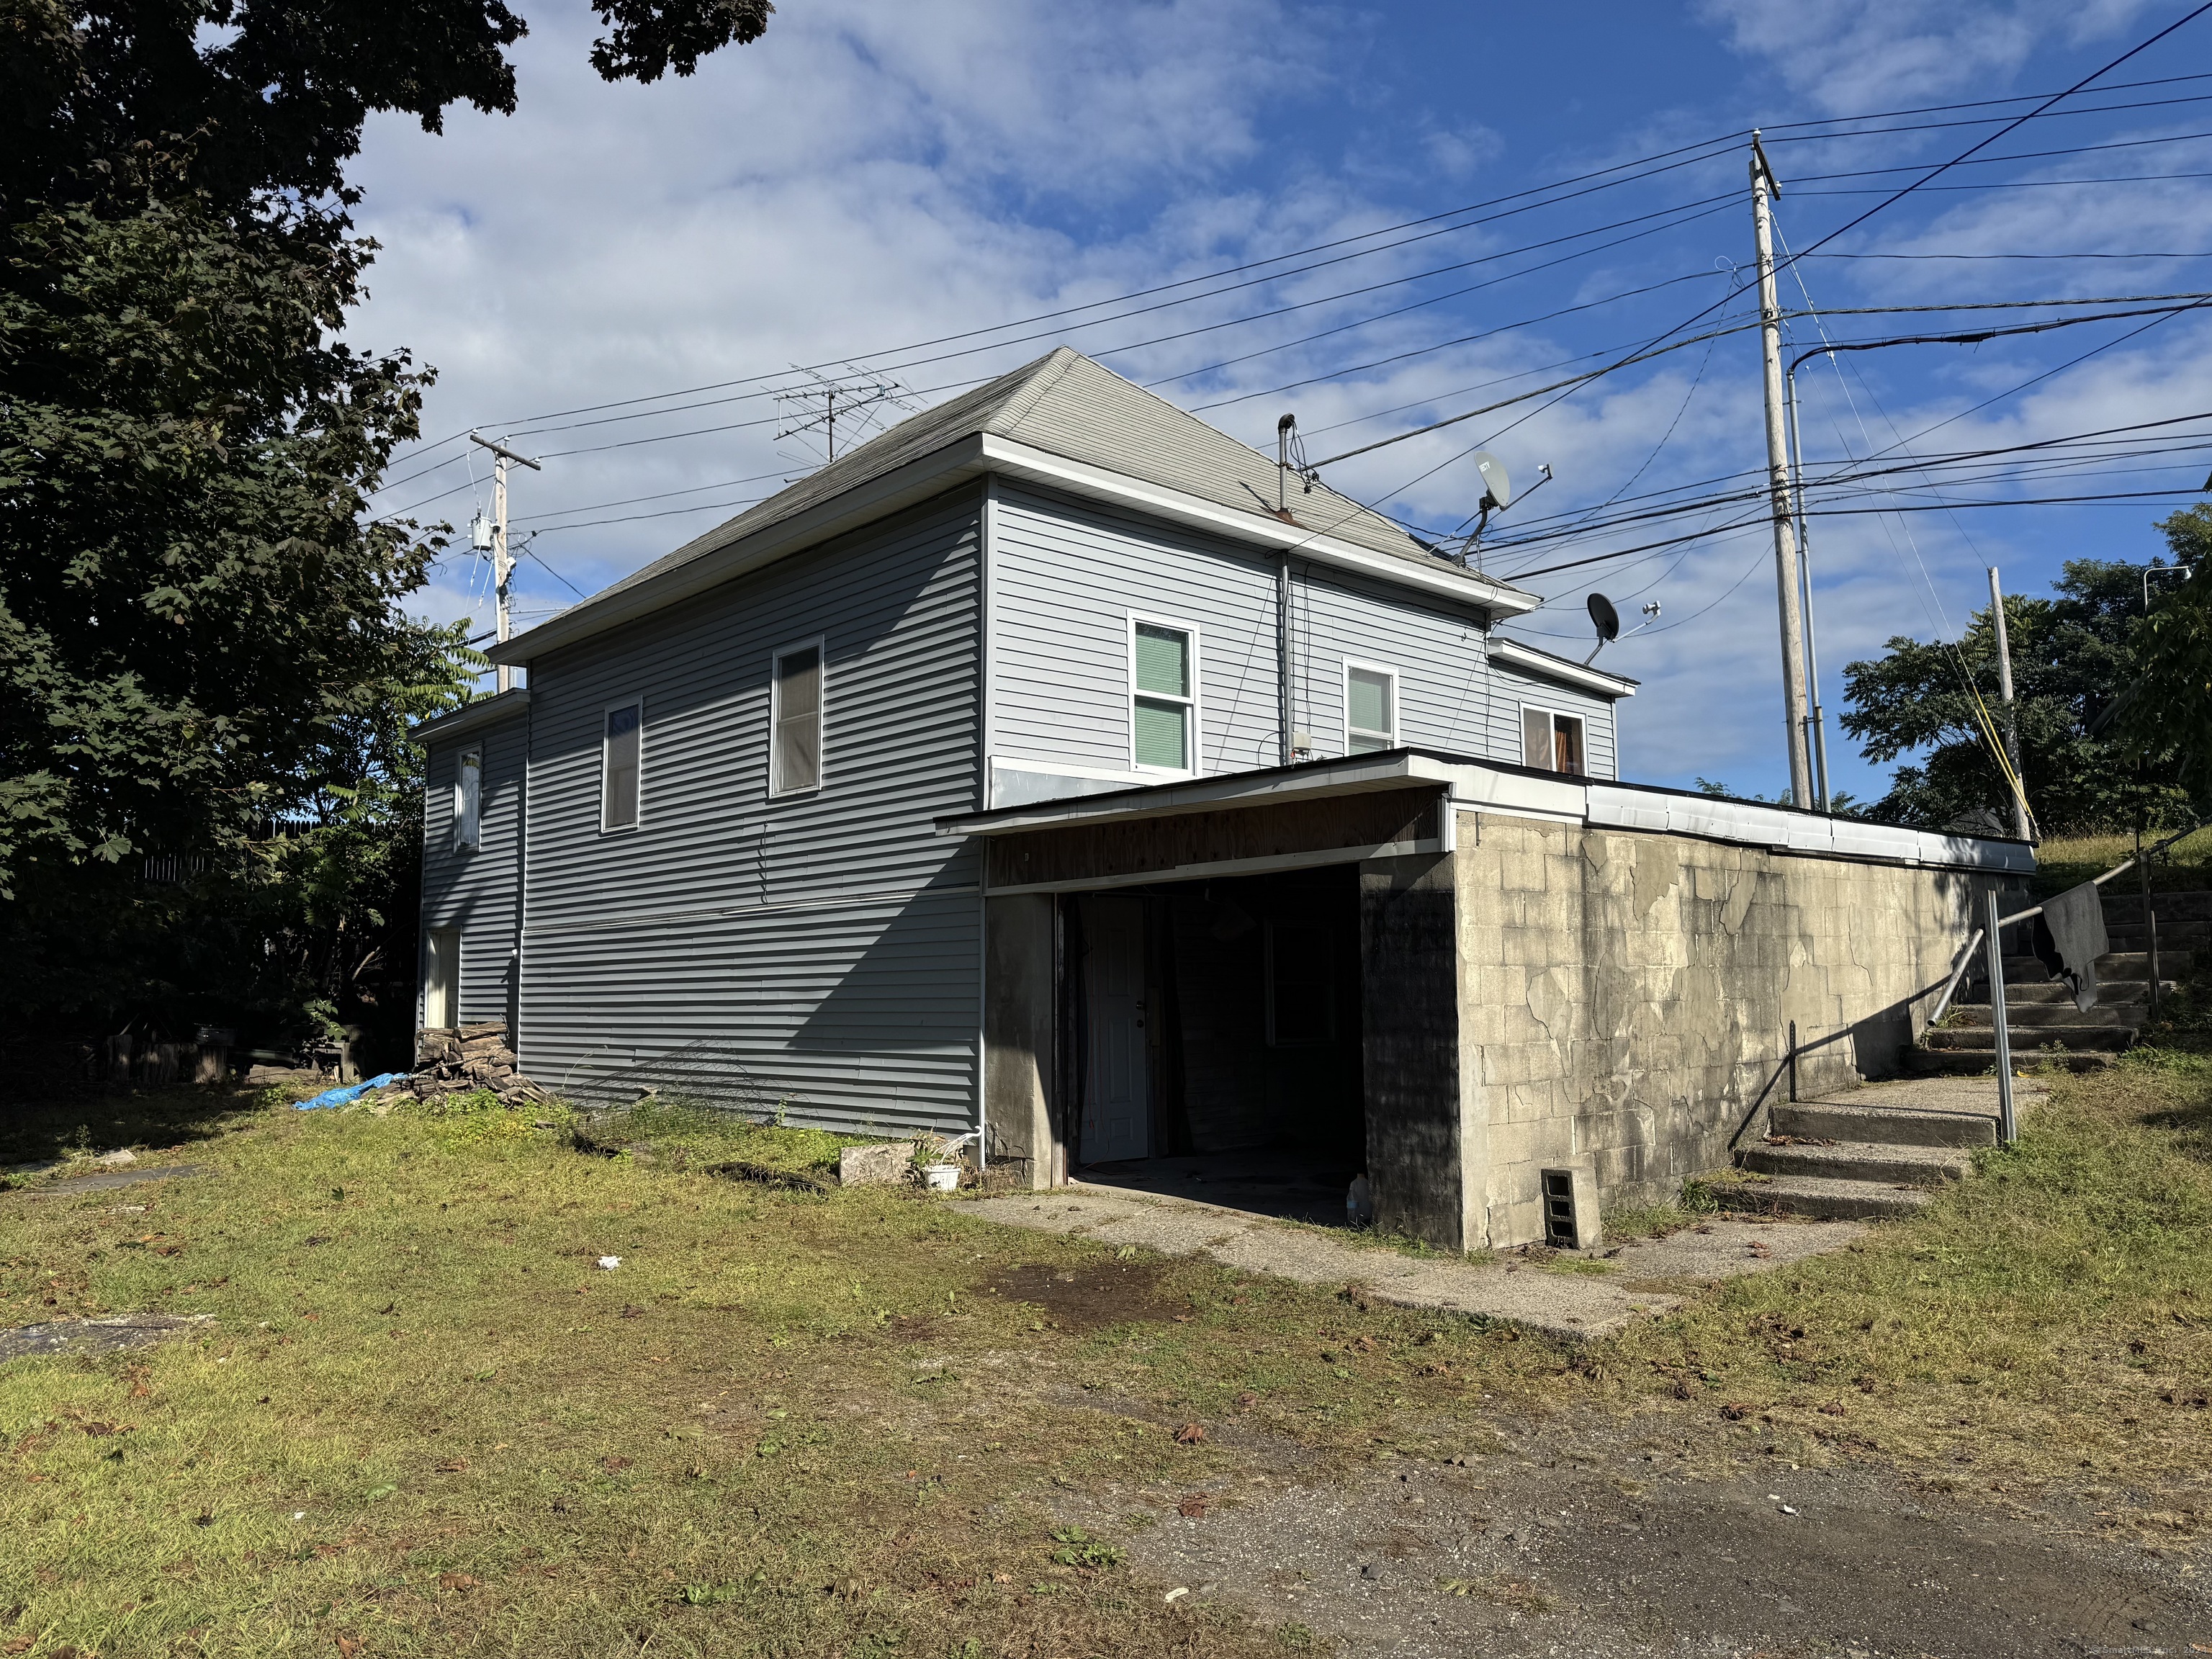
1117,1101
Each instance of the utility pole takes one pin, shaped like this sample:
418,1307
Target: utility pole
1819,720
1778,482
2020,823
502,566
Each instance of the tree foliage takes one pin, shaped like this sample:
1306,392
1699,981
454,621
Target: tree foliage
202,631
2072,655
2169,711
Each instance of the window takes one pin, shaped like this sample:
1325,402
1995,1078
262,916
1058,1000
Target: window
1164,698
1371,710
619,766
795,716
468,802
1301,986
442,979
1551,743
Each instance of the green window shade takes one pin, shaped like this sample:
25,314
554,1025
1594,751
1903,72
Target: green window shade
1163,735
1368,698
1163,660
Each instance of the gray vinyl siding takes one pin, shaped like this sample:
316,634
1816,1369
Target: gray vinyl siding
474,891
818,953
1600,745
1068,574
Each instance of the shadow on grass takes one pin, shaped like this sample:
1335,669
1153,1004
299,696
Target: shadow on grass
96,1120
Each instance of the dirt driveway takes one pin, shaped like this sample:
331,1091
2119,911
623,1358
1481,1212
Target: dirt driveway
1665,1534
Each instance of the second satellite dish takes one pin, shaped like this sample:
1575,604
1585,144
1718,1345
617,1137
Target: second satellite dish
1498,488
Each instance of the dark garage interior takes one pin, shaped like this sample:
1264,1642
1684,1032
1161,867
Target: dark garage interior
1211,1035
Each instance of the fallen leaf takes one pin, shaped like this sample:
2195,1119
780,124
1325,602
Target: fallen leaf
347,1647
1194,1506
1737,1413
455,1581
1190,1434
454,1466
615,1465
1247,1400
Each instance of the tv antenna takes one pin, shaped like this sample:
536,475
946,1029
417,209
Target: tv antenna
817,406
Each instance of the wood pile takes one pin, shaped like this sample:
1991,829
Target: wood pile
464,1060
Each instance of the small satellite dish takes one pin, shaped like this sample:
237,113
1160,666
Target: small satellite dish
1606,621
1498,488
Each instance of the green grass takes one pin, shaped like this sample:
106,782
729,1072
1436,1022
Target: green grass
798,1421
2047,1324
2064,861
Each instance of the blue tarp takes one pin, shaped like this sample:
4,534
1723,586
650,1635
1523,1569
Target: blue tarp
350,1092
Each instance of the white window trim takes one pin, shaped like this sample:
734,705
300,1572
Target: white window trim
636,700
453,988
461,842
820,644
1555,716
1388,672
1191,711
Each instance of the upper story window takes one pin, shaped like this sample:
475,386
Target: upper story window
1551,742
468,802
621,763
1163,697
1370,708
795,721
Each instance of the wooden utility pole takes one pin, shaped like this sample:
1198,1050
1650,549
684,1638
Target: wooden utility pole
2021,826
1794,710
502,566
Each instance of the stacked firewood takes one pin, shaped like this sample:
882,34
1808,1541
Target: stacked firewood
464,1060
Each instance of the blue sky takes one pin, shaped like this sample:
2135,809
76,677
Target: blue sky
868,177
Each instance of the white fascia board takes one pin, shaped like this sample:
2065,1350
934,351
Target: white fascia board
1389,771
473,716
1521,794
1544,664
917,480
1020,460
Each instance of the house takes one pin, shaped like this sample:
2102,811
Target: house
1054,766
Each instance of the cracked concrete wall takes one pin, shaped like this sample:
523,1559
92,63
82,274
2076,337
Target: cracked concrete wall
1624,998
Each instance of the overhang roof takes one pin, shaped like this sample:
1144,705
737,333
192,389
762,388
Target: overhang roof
1566,670
474,716
1519,792
1064,421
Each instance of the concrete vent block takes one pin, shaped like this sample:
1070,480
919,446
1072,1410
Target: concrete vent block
1571,1209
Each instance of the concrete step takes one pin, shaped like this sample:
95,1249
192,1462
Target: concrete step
2118,994
2183,935
2021,970
1860,1160
2122,908
2039,1014
1891,1126
2135,964
2029,1038
1820,1198
1979,1062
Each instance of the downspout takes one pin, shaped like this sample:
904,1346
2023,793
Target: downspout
1282,715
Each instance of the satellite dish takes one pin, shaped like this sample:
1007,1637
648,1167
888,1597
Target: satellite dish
1606,621
1497,486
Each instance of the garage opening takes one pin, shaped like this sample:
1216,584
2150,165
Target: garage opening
1211,1038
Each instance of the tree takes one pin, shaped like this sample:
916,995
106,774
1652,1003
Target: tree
2072,655
2169,710
201,631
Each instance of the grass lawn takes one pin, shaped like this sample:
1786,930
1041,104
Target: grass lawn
420,1418
2065,861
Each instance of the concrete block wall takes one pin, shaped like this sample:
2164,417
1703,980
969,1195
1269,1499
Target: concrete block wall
1625,997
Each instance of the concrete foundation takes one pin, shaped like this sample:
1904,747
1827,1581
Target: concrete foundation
1626,999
